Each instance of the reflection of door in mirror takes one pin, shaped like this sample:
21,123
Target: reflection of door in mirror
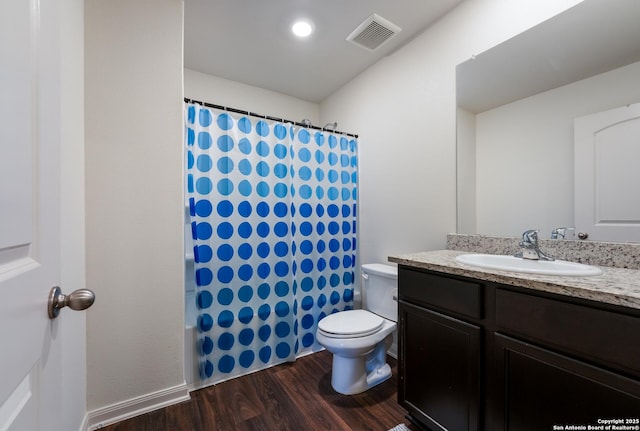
607,175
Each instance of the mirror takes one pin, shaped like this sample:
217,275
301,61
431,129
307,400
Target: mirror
516,106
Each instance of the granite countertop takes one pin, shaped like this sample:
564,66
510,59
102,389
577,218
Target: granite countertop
617,286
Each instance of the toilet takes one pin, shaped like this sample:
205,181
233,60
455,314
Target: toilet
359,339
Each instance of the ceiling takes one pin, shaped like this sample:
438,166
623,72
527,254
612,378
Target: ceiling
249,41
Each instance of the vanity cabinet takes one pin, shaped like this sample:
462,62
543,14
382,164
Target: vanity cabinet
439,371
478,355
543,389
440,351
562,362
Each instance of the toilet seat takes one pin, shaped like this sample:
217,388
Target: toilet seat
350,324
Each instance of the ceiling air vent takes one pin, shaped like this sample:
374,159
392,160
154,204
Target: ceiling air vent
373,32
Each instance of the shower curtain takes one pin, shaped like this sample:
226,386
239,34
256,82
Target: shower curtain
273,217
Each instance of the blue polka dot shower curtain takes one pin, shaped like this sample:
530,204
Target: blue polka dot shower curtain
273,218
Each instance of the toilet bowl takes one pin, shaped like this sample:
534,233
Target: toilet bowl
359,339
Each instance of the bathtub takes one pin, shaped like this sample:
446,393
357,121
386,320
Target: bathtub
190,329
190,319
190,336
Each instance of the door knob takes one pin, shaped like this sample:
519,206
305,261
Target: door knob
80,299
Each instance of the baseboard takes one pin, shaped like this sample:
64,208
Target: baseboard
84,426
99,418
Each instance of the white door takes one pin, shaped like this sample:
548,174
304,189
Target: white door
32,395
607,174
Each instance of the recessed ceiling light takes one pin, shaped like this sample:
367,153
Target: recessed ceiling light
302,28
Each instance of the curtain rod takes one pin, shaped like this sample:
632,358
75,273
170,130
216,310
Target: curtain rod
253,114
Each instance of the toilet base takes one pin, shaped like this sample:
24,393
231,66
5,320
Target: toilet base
351,379
353,375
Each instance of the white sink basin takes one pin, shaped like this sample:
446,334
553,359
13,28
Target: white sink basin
516,264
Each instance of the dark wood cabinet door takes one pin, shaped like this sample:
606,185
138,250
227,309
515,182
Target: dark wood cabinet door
440,364
541,389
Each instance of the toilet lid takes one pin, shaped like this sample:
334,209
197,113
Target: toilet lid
352,323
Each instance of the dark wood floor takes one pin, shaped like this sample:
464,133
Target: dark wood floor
296,397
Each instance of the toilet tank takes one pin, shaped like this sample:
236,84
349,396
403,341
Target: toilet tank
380,287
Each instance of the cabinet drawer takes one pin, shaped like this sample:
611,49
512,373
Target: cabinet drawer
459,296
605,337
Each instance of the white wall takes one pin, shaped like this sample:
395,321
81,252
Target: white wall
219,91
404,109
134,208
466,171
525,150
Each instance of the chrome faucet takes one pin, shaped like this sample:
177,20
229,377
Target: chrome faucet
529,247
